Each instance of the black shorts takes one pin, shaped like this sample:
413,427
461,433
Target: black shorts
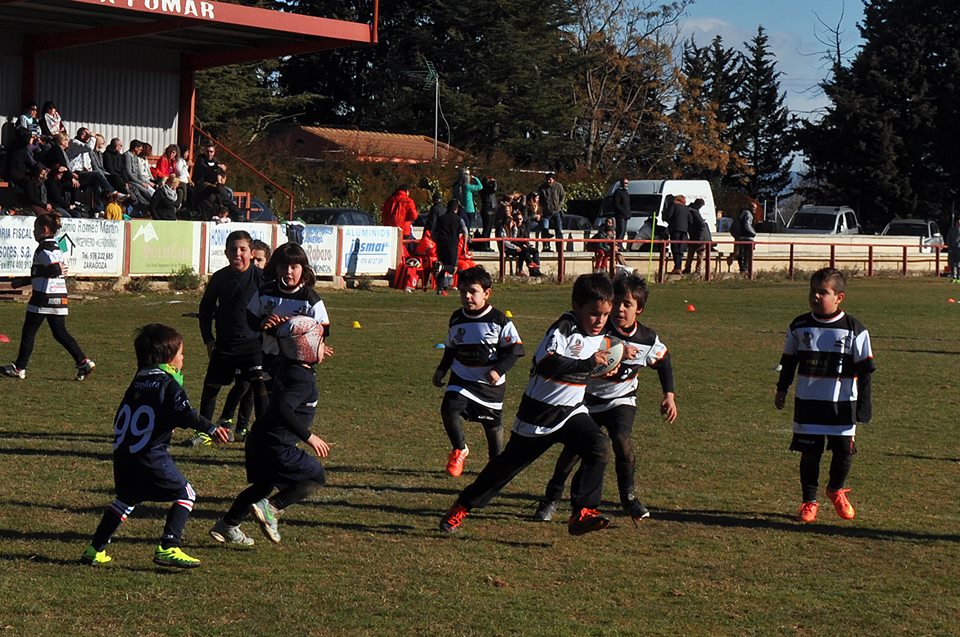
471,410
160,482
223,368
618,421
814,443
280,466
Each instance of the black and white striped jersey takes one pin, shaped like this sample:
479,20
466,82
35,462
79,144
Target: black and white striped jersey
558,378
621,389
480,343
49,294
833,360
273,300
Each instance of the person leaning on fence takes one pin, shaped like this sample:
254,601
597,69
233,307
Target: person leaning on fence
744,233
699,231
621,207
679,226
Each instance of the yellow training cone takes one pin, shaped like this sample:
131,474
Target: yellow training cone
356,325
508,314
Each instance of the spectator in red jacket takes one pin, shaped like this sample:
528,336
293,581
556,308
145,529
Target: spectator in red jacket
400,211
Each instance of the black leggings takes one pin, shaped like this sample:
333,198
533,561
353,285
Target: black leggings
58,325
259,490
455,408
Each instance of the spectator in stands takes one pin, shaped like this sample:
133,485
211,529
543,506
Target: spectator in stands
79,153
60,191
97,158
211,198
463,190
35,189
142,190
114,209
143,162
22,158
29,121
489,207
184,164
205,169
51,122
113,164
679,226
436,211
523,232
222,217
166,200
400,211
518,201
603,252
519,251
167,163
553,198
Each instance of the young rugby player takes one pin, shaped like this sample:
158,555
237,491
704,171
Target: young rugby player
143,471
612,400
830,352
552,411
482,346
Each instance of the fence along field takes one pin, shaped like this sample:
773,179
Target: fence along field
721,554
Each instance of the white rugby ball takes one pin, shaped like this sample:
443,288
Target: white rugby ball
613,351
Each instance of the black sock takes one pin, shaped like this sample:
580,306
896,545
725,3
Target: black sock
173,529
839,470
238,510
112,518
809,475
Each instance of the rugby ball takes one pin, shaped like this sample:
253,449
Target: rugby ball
612,349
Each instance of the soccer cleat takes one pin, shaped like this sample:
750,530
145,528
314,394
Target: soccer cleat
267,516
174,557
226,534
13,371
228,423
808,512
585,521
841,503
85,368
241,434
455,461
198,439
634,508
453,518
545,510
93,557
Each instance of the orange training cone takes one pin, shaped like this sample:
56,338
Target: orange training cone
951,300
691,308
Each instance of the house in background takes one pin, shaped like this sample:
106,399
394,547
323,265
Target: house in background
317,143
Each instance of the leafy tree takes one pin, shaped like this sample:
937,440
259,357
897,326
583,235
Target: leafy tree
763,133
888,142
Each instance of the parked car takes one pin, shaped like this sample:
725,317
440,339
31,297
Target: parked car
335,217
576,222
927,231
823,220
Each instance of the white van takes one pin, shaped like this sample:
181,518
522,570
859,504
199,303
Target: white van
647,199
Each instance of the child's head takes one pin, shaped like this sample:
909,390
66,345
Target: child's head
592,301
827,290
475,284
157,344
261,252
301,339
629,298
291,267
46,225
239,250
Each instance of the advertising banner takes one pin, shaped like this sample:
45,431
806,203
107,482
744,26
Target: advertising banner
162,247
217,240
368,250
93,247
320,244
16,245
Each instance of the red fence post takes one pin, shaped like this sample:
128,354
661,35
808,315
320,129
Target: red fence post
791,267
707,254
561,262
870,261
904,265
503,261
833,255
937,262
662,261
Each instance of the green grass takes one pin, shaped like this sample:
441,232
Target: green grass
721,554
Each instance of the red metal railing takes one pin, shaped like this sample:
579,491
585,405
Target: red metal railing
223,147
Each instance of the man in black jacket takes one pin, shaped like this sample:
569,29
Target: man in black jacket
679,225
621,207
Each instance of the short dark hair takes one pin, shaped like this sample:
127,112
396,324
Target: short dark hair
832,276
629,283
551,175
156,344
135,143
589,288
291,253
260,245
238,235
477,274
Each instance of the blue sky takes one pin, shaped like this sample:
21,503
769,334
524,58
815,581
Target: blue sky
792,28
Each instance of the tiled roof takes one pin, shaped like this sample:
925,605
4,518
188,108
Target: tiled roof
316,142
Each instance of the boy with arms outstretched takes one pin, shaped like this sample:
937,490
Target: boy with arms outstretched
143,471
830,352
552,411
482,345
612,399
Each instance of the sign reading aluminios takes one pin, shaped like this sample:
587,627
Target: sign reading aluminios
368,250
189,8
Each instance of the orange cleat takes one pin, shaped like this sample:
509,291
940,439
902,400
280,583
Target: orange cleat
454,518
808,512
455,461
841,503
585,521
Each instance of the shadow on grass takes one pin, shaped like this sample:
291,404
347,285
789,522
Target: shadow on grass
57,435
782,522
920,351
236,459
919,457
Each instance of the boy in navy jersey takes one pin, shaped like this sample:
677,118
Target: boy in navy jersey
236,351
482,345
272,457
612,400
830,353
155,403
552,411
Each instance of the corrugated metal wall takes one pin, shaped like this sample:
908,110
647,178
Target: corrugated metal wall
10,106
118,90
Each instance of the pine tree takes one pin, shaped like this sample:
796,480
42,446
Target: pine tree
763,134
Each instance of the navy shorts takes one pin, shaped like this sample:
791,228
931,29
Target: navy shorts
223,368
159,481
618,421
281,466
814,443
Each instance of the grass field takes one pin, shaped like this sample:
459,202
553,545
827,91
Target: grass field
721,554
